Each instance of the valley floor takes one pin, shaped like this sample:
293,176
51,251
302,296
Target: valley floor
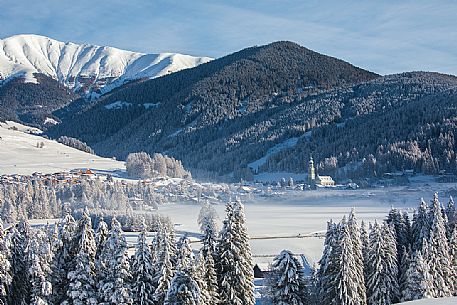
292,213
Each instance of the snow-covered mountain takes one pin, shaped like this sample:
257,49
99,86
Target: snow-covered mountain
85,68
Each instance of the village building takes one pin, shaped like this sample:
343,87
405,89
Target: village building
315,179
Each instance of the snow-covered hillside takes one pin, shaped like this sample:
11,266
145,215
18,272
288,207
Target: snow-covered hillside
84,67
19,154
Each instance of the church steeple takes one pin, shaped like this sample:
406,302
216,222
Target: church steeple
311,170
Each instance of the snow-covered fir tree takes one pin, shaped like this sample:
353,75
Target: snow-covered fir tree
382,270
451,214
405,261
234,262
421,226
345,280
165,268
142,272
418,281
402,230
357,250
184,255
198,273
40,256
5,266
325,289
183,291
20,292
208,221
453,258
63,259
101,235
82,285
438,251
210,276
114,287
286,282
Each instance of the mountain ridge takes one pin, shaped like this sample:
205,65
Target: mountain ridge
91,69
244,83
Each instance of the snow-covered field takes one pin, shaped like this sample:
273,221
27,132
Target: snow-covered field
442,301
19,154
280,219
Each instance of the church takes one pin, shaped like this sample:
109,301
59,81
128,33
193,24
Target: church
314,179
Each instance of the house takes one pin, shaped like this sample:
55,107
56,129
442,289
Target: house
87,174
325,180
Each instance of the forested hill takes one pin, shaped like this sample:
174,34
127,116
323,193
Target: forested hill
32,103
268,108
164,114
394,123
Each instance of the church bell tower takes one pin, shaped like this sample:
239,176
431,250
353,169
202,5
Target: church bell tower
311,171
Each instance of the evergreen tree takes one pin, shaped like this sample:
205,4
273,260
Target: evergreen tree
345,281
451,213
198,274
82,287
207,219
142,272
382,271
327,271
208,226
164,266
183,291
421,226
5,266
184,255
234,259
418,280
210,276
63,259
40,256
453,258
20,285
357,251
404,263
101,235
364,239
401,227
285,282
438,251
114,288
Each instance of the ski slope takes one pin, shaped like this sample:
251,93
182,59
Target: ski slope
19,154
72,64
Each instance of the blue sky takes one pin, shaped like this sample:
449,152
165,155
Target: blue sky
382,36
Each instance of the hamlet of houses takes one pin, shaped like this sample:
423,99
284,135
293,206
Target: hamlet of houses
71,177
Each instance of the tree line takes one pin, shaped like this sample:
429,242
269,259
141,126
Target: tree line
142,165
34,199
73,263
75,143
391,262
